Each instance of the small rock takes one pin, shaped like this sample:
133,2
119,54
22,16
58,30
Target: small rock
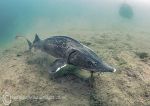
18,55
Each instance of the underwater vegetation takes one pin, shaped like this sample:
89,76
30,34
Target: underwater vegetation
143,56
126,11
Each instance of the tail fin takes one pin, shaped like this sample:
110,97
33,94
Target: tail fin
29,42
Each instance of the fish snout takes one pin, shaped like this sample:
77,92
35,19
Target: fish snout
106,68
114,70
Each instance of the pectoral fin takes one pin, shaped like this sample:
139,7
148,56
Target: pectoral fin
57,65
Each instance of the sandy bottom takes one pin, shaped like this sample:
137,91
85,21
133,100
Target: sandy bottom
25,79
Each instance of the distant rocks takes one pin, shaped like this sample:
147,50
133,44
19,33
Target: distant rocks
126,11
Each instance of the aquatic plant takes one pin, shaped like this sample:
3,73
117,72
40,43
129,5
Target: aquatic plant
142,55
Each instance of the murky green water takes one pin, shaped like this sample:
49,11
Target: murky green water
25,17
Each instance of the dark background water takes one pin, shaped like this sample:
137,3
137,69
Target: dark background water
23,17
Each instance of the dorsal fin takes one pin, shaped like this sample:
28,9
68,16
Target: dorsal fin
36,38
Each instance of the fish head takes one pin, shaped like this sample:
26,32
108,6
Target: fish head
89,61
